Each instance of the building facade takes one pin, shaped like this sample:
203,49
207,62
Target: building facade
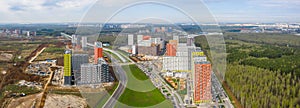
130,39
84,43
149,50
95,73
106,76
202,82
176,64
90,74
77,60
67,68
98,51
171,50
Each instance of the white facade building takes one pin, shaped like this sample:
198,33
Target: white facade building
176,64
130,39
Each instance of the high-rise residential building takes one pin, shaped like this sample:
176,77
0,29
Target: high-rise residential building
84,43
67,68
176,64
202,81
90,74
95,73
134,49
74,40
171,50
175,37
28,33
77,60
139,38
106,76
190,41
130,39
149,50
98,51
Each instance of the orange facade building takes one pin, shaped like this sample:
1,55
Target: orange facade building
98,51
202,82
171,48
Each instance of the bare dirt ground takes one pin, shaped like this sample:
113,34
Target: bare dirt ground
52,101
24,102
5,56
64,101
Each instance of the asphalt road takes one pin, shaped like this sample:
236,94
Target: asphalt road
121,75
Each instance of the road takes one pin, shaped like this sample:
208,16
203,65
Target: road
37,54
45,91
124,60
121,75
217,90
119,72
158,80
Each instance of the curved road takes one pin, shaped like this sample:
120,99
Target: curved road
121,75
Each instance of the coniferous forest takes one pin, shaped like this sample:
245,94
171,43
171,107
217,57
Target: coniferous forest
263,70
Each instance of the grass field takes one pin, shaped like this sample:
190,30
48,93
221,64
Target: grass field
137,72
51,52
141,99
140,91
19,89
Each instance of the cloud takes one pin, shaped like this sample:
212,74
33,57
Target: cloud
43,10
276,3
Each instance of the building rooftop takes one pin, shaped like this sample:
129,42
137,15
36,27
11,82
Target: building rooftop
98,44
202,62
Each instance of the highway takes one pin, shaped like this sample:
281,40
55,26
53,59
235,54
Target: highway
119,72
124,60
121,75
178,102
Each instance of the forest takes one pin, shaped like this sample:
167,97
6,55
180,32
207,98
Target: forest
263,70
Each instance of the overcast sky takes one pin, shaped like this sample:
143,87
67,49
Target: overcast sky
59,11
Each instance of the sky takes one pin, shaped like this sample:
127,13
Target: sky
64,11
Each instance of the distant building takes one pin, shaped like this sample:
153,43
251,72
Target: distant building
77,60
175,37
146,37
130,39
149,50
134,49
105,44
202,82
139,38
98,51
67,68
190,41
74,40
84,43
156,40
28,33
